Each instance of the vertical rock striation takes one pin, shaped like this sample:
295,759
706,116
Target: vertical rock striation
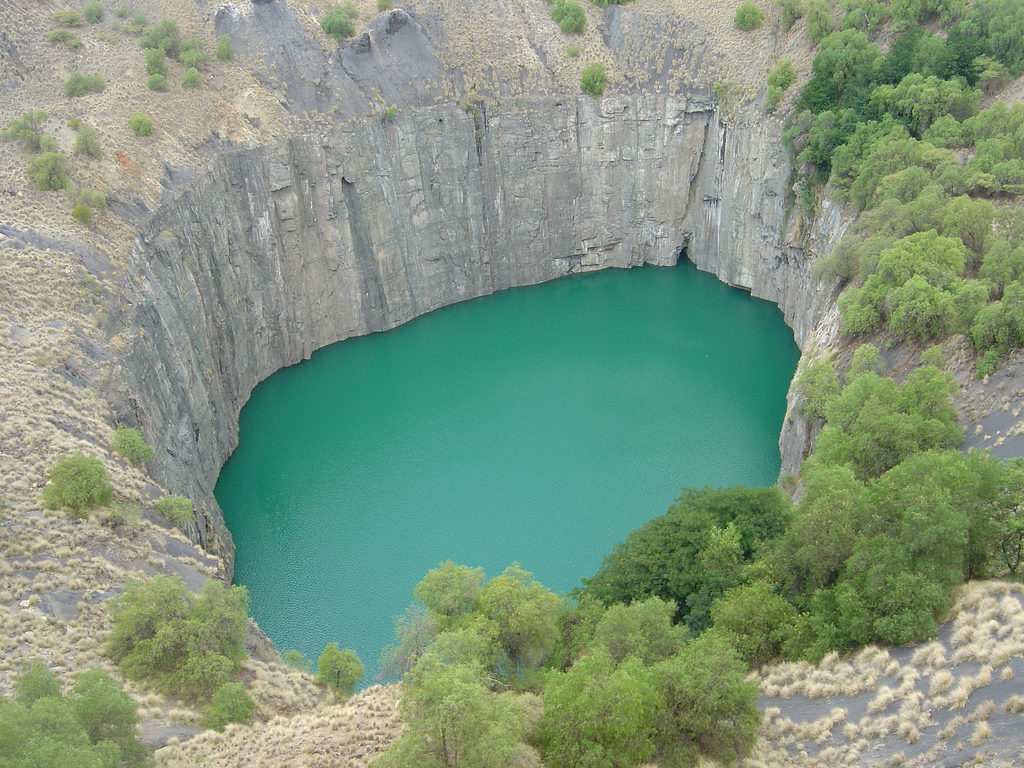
278,252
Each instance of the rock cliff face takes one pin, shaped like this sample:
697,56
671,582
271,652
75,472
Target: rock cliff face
275,252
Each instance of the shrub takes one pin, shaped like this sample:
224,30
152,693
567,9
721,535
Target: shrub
570,16
819,20
390,113
230,704
48,171
93,198
385,5
791,11
93,12
748,17
156,83
79,84
339,669
783,75
177,509
27,128
82,213
574,51
183,645
592,79
192,78
156,61
165,35
337,23
68,19
192,58
122,12
224,52
35,682
138,23
129,443
140,124
87,142
66,37
77,482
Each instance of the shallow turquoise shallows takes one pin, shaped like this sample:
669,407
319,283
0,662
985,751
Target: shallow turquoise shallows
539,425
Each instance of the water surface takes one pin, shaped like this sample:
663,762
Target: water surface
539,425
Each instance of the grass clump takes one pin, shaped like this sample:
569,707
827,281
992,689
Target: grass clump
337,24
229,704
77,482
129,443
93,12
573,51
748,17
224,52
181,644
65,36
141,124
49,171
592,79
570,16
177,509
79,84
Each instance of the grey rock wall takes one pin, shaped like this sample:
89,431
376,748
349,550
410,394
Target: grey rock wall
277,252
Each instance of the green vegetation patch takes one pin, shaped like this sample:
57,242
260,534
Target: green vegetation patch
569,16
129,443
337,24
748,17
79,85
179,510
77,482
141,124
592,79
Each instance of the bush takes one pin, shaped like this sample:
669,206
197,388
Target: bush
140,124
337,23
340,670
224,52
93,198
783,75
230,704
177,509
156,61
819,20
66,37
192,58
79,84
82,213
390,113
570,16
129,443
192,78
574,51
748,17
772,97
87,142
35,682
68,19
48,171
183,645
165,35
592,79
93,12
791,11
156,83
27,128
77,482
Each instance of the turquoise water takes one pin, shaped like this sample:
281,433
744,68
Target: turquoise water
539,425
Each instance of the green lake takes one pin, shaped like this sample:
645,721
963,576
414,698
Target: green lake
538,425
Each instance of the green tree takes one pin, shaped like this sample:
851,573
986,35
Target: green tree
520,616
82,213
192,78
165,36
791,11
449,590
748,17
819,20
156,61
35,682
107,714
709,705
339,669
337,24
230,704
93,12
453,719
87,142
818,385
599,713
77,482
592,79
755,621
643,629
